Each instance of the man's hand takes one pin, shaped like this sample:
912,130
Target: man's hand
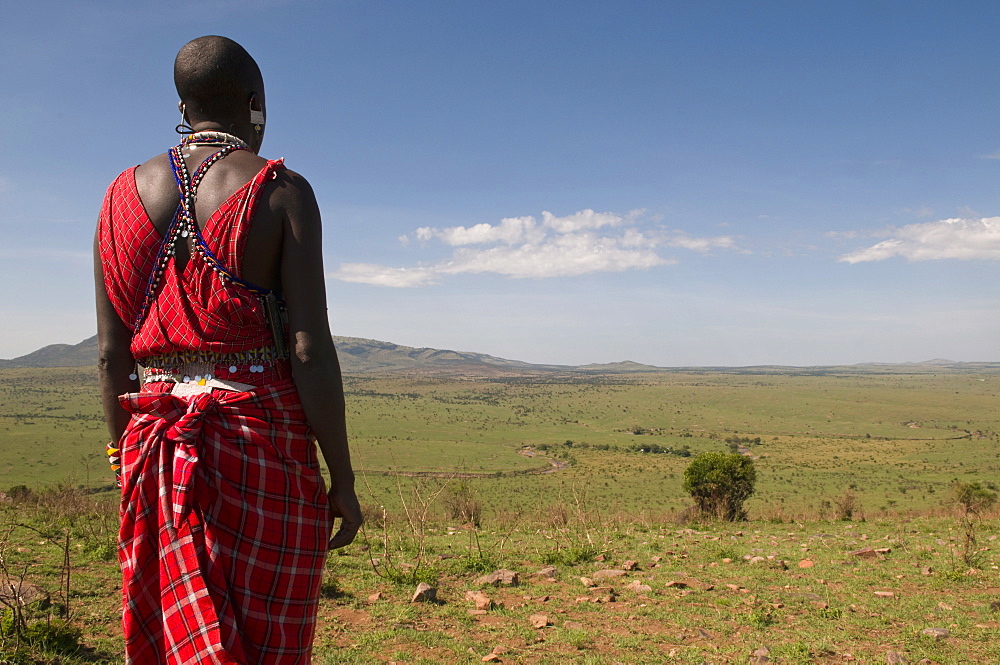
344,504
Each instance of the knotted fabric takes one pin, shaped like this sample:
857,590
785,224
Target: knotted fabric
224,527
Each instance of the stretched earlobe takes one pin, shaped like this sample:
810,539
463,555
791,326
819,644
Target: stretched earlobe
256,117
183,127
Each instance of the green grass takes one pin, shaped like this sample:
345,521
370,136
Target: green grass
897,441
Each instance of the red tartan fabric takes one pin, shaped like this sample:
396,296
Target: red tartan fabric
224,528
193,309
225,519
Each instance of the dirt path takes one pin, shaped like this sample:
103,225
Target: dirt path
552,466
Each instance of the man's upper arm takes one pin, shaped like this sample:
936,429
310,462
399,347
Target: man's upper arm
302,279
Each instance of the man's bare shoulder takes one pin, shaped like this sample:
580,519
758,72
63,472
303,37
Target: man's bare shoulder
154,171
291,193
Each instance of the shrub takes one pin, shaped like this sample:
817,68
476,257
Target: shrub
719,483
461,502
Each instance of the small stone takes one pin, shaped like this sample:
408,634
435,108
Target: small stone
375,597
490,658
656,559
572,625
926,570
546,574
727,560
607,573
895,658
500,649
945,606
424,593
937,633
599,557
587,582
630,565
885,594
501,577
477,613
539,620
759,656
603,594
806,563
757,559
481,600
638,587
865,553
995,606
676,584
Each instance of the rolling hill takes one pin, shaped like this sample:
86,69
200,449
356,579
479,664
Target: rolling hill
364,356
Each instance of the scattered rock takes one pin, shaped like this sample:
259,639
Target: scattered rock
759,656
630,565
895,658
995,606
501,577
806,563
945,606
546,574
757,559
375,597
539,620
600,557
607,573
689,583
865,553
500,649
25,594
481,600
477,613
885,594
937,633
490,658
572,625
656,559
587,582
926,570
639,587
424,593
603,594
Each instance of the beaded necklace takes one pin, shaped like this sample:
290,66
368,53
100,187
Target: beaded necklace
213,138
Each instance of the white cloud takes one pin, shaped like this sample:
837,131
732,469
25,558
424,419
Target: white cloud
369,273
522,247
563,256
510,230
963,239
701,244
583,220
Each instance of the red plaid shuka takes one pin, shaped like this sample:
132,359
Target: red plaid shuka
225,519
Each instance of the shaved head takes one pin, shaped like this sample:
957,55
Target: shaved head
215,77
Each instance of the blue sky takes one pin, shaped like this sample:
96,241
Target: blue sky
675,183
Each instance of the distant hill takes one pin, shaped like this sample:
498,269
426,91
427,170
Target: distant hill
365,356
357,356
83,354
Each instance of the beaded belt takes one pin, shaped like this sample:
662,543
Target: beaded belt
200,371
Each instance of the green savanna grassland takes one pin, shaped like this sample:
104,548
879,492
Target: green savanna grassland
554,463
897,440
